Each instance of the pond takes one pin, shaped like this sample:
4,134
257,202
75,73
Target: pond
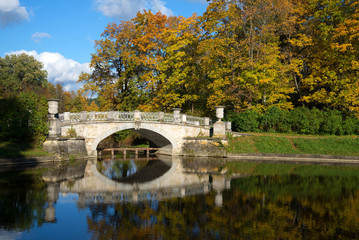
176,198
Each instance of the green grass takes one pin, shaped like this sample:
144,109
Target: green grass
295,145
272,169
18,150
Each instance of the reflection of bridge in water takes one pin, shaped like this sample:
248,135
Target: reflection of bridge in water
93,187
167,183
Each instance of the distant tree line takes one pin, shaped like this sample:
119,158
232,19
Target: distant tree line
23,106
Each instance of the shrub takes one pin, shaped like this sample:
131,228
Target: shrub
275,120
247,121
350,125
305,121
333,122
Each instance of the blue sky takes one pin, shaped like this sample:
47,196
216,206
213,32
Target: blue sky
61,34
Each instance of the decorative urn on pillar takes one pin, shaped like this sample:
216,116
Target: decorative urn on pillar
219,112
219,128
53,109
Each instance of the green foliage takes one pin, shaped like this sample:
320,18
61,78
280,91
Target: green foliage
21,73
24,118
305,121
351,125
71,132
122,135
300,120
247,121
275,120
333,123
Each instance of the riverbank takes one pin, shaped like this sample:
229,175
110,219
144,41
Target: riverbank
287,144
256,147
11,150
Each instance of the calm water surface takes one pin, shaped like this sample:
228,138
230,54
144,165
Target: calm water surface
175,199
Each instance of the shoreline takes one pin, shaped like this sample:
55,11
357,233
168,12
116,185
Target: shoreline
249,157
294,158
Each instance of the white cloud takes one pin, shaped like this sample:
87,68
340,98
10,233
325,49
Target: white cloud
12,12
36,37
60,69
158,5
126,9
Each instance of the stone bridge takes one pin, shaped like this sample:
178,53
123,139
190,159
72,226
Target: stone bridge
167,131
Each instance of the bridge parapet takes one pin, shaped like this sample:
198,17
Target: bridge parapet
177,118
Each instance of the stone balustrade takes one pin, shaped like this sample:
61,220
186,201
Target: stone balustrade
175,117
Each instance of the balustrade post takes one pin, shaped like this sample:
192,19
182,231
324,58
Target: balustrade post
177,115
110,115
161,116
206,121
83,116
184,118
66,116
229,126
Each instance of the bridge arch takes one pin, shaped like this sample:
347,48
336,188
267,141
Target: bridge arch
158,136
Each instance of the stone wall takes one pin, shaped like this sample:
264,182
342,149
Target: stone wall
207,147
65,146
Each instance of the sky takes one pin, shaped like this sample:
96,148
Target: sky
61,33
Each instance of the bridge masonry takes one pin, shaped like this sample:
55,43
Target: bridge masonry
168,131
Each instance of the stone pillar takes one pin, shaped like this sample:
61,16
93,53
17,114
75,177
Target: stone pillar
229,126
66,116
137,115
54,126
83,116
206,121
219,128
184,118
110,115
177,115
161,116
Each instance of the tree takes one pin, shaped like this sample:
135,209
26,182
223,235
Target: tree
21,73
180,73
242,54
327,43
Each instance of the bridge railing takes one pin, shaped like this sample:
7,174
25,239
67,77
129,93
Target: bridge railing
175,117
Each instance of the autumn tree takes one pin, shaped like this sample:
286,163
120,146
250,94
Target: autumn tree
183,83
115,70
327,44
125,65
242,54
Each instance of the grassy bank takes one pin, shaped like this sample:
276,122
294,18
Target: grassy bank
272,169
18,150
330,145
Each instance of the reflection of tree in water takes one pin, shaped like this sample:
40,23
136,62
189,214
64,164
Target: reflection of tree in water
173,219
278,207
22,202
